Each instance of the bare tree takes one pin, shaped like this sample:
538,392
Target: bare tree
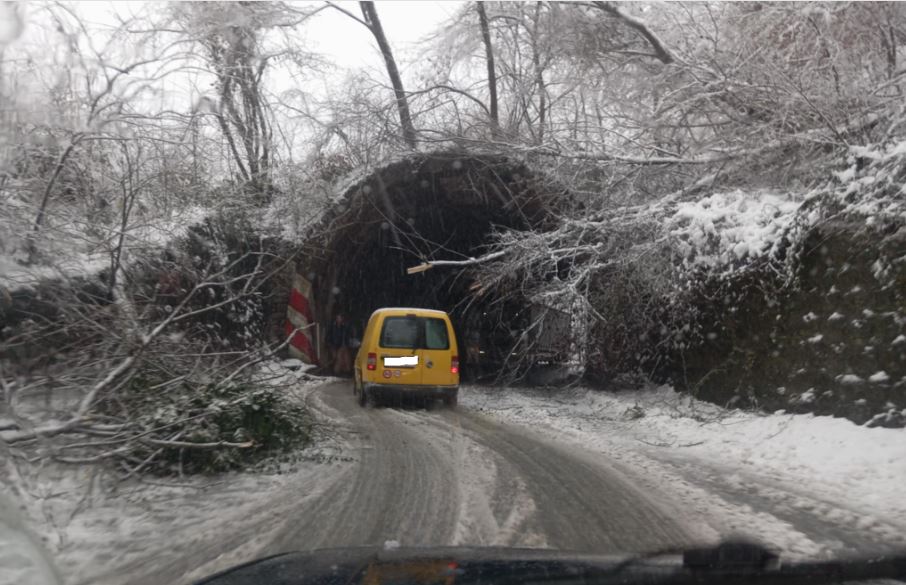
231,35
175,317
492,75
372,22
105,106
369,12
66,132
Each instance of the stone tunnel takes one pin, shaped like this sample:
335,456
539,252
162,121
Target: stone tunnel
436,206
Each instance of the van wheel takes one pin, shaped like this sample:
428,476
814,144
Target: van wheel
451,400
366,400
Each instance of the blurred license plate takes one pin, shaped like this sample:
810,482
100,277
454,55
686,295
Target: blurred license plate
406,360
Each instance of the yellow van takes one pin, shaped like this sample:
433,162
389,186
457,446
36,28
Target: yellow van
407,352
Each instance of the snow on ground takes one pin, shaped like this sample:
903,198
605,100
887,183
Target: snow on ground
98,531
24,561
809,485
14,275
70,250
477,524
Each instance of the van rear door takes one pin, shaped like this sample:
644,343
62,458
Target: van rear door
437,351
399,361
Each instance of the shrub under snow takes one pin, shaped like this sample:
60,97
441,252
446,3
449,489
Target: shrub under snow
729,228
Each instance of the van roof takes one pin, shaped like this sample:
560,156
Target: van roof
409,310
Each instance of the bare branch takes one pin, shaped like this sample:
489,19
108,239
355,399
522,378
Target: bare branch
660,51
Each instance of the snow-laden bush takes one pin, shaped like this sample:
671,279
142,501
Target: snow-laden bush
729,229
215,427
631,275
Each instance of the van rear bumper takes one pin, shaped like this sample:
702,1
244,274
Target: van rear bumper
397,390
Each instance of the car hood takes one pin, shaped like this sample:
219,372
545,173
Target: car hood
727,562
411,566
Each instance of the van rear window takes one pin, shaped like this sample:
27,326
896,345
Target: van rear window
414,333
436,334
400,332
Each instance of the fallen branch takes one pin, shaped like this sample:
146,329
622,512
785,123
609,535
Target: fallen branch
660,444
469,262
81,417
191,445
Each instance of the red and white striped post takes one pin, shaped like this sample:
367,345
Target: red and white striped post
299,316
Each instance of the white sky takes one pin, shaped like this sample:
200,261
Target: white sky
352,47
347,41
331,34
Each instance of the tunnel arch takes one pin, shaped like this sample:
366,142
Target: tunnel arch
427,206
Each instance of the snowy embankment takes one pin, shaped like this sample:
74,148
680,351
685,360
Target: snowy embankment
808,485
98,530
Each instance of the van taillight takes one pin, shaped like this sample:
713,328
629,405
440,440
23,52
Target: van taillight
372,361
454,364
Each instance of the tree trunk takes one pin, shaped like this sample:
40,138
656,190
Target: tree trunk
492,76
539,76
402,102
61,162
542,101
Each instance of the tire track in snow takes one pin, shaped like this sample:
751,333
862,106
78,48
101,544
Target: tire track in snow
836,528
433,478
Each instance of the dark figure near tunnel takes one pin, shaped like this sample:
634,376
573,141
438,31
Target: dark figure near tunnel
472,346
340,337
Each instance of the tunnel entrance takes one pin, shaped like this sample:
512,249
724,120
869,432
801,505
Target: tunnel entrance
426,207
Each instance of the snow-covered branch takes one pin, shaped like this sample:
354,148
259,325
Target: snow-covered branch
457,263
660,51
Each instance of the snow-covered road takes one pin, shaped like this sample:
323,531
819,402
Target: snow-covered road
412,477
810,486
441,477
522,467
571,470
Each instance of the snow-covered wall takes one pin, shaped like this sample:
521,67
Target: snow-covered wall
821,327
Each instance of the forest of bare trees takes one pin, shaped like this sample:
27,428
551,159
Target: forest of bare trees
216,95
118,132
